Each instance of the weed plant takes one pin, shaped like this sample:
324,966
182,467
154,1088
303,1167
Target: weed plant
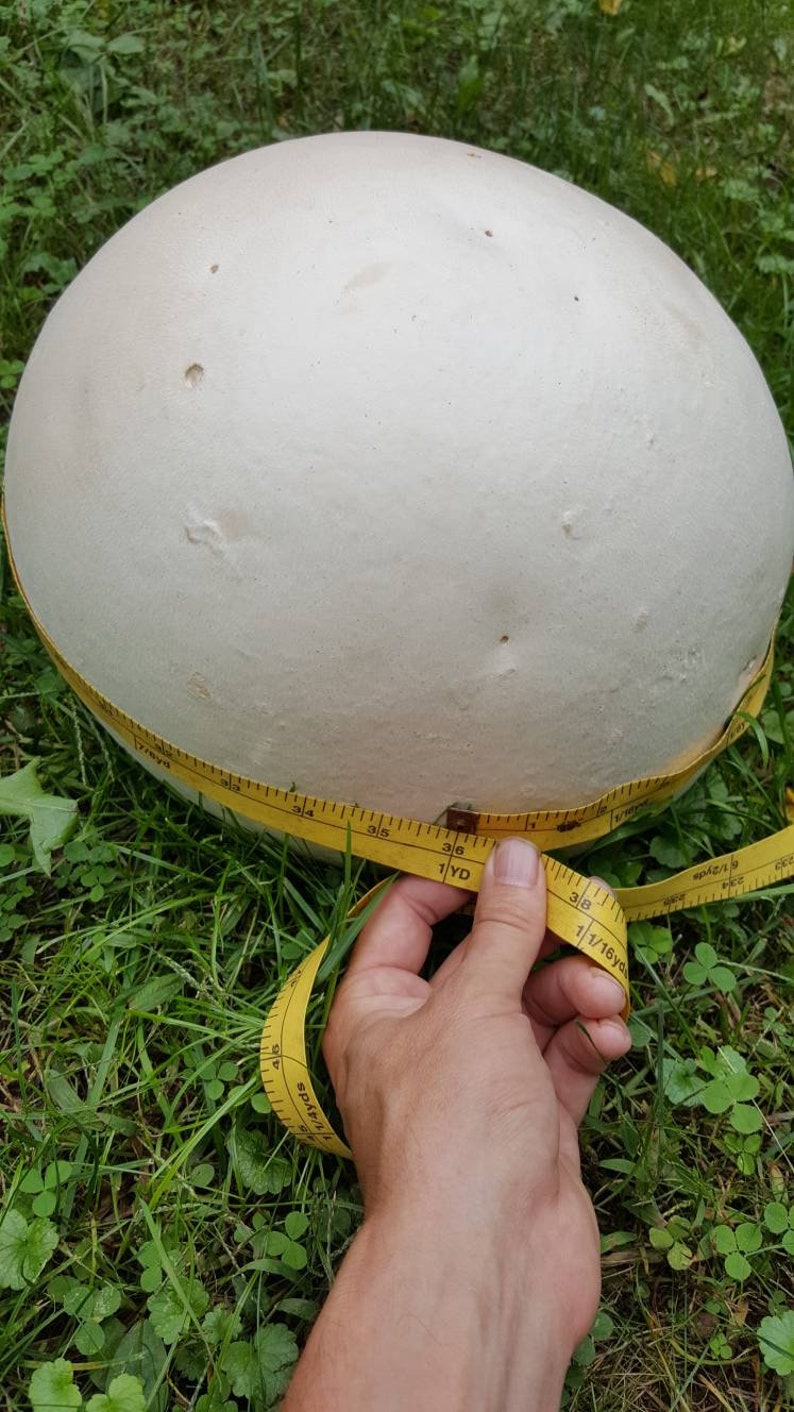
163,1244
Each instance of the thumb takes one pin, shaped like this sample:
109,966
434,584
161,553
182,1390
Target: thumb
509,920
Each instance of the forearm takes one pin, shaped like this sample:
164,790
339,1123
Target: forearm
431,1325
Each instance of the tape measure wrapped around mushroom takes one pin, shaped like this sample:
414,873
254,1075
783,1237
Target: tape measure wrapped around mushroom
370,480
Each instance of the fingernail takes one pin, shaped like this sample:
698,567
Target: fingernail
603,884
516,862
606,989
620,1031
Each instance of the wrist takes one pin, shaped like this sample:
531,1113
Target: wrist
487,1331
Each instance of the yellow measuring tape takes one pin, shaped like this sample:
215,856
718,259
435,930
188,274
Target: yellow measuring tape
580,912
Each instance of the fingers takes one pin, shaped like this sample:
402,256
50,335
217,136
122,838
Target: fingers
509,921
399,932
569,987
578,1054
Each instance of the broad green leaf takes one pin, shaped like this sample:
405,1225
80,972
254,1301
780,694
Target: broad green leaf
25,1249
143,1354
776,1341
76,1298
90,1339
745,1119
788,1242
682,1082
679,1256
668,852
240,1364
723,1239
295,1257
650,942
52,1389
276,1346
44,1204
749,1237
585,1353
262,1370
276,1242
678,1227
616,1240
57,1173
51,818
32,1183
737,1266
124,1394
168,1313
706,955
214,1401
107,1299
722,979
301,1308
730,1064
776,1217
660,1239
262,1172
603,1327
296,1224
716,1096
126,44
742,1087
219,1325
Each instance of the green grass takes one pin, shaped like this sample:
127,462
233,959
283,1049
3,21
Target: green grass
181,1237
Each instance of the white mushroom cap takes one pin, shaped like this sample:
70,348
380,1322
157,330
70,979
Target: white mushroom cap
404,473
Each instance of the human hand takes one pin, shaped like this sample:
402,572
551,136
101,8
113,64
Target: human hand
461,1095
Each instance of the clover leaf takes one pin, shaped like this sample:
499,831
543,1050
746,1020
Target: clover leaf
650,943
708,970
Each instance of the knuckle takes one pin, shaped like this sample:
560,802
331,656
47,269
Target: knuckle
583,1053
511,907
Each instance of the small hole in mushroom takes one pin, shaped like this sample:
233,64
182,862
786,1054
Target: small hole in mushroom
504,638
193,375
489,232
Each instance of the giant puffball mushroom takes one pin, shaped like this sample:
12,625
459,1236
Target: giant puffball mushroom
404,473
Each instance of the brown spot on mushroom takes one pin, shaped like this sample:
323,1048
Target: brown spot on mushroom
489,232
193,375
370,274
197,687
504,637
214,269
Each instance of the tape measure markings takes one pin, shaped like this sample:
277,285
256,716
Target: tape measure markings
716,879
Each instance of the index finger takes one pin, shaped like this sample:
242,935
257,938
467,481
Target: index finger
399,932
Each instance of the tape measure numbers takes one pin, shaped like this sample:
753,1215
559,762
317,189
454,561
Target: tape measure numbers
579,911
